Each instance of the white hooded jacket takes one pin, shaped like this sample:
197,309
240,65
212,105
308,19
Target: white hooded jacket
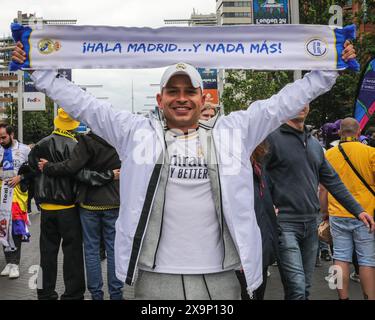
139,141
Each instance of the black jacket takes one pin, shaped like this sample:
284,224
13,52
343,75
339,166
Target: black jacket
95,154
27,179
266,218
47,189
296,164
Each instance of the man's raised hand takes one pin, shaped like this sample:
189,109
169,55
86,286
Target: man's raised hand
349,51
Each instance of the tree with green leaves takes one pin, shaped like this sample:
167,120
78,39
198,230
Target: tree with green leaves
246,86
243,87
36,124
339,102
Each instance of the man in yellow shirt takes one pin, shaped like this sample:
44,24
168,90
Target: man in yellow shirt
346,230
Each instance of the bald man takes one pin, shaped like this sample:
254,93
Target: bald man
345,228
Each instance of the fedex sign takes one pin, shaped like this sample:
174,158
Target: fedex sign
34,101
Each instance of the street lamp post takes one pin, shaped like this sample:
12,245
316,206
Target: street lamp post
84,87
20,105
20,93
294,10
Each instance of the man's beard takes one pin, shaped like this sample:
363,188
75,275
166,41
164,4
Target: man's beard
6,146
299,120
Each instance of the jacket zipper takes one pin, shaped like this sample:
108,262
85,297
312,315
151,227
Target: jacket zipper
221,218
144,230
162,219
162,213
221,205
148,217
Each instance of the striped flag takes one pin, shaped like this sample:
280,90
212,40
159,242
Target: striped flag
364,107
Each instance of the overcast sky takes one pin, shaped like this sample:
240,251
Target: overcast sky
129,13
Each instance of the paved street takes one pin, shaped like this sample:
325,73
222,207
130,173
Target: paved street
24,287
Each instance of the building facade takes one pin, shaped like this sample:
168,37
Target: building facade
8,80
355,8
8,92
234,12
196,19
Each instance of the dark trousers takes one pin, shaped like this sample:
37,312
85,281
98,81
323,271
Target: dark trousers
14,257
55,226
258,294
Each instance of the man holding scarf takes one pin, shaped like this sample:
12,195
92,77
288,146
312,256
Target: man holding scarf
13,208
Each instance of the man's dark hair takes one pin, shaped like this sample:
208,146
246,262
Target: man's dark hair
8,128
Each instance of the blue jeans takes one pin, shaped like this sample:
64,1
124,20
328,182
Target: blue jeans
298,244
350,233
93,223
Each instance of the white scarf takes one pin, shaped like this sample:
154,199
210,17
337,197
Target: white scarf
263,47
6,197
6,238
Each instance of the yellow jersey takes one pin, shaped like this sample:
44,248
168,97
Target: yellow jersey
363,159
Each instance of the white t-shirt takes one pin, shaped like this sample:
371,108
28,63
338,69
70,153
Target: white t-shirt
20,153
190,240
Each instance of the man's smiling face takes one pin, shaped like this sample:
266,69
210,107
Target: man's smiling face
181,103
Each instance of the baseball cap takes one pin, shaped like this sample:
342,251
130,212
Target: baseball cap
185,69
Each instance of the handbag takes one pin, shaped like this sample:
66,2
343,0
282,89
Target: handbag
324,232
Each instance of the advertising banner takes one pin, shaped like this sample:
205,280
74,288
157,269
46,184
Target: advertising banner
271,11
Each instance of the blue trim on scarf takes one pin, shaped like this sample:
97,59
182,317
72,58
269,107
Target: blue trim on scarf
346,33
21,33
8,159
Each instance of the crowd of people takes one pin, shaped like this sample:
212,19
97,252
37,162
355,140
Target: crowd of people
192,204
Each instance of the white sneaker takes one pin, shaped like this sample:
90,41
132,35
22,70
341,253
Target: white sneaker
6,270
14,272
355,277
